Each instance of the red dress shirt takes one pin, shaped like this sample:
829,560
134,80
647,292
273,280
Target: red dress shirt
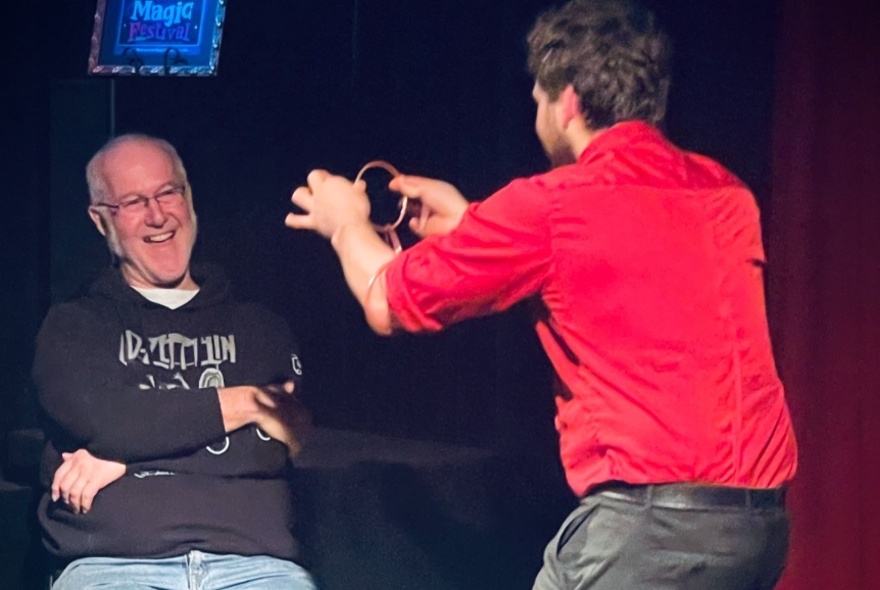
648,262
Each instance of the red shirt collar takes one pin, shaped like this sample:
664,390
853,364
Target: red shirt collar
618,135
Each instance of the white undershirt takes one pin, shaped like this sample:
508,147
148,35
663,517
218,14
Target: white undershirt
170,298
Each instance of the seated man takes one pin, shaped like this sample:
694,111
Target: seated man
171,407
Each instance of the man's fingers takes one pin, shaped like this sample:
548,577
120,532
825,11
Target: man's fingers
407,185
83,493
266,400
317,177
397,183
66,488
80,478
57,480
303,198
295,221
88,496
76,493
285,388
417,225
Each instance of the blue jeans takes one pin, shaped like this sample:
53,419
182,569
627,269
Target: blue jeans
194,571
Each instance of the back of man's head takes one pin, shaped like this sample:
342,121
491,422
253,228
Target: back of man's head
612,52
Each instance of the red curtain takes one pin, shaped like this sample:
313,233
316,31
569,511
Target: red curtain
824,284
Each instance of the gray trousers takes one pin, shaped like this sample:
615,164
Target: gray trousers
614,542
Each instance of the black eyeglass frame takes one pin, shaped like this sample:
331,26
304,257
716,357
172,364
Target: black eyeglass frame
168,190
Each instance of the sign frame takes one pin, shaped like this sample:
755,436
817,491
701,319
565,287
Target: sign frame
157,37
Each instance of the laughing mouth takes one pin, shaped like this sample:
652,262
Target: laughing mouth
157,239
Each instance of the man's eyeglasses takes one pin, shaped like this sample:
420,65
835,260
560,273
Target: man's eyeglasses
170,195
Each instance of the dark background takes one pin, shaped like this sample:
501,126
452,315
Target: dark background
438,88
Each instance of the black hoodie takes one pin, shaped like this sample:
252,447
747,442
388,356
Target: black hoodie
135,382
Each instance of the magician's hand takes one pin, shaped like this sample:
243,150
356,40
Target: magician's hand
441,205
329,203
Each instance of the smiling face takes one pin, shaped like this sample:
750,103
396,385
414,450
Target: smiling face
153,242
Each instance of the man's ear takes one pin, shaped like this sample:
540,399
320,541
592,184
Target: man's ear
98,220
570,104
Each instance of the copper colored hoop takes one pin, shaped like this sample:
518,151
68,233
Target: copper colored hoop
388,230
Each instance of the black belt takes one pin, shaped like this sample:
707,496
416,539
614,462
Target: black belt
685,495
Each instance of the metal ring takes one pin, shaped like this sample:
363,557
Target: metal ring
402,204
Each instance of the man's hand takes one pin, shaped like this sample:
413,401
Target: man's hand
81,476
441,204
273,408
330,203
283,417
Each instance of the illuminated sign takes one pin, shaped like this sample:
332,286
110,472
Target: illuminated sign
157,37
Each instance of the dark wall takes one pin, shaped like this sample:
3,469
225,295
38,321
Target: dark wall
437,87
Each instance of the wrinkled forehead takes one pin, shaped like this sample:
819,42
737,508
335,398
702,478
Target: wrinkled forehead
137,167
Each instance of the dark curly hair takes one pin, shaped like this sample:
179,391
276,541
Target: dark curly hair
612,52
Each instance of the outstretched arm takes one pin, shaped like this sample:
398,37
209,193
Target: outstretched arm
340,211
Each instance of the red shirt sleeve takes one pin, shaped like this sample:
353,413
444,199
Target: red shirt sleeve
498,255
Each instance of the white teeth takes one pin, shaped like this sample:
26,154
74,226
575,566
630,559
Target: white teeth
160,237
